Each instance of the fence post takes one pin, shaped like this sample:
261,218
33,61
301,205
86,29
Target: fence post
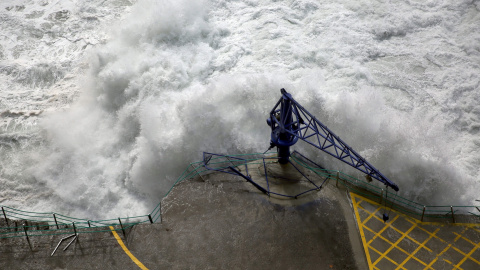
195,169
337,180
381,197
55,218
89,223
423,213
150,218
26,234
121,226
453,215
74,228
5,216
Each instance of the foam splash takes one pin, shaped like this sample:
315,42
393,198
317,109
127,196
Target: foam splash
395,80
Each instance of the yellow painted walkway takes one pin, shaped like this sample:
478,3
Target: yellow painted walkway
407,243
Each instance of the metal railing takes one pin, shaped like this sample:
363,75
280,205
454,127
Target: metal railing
21,223
448,213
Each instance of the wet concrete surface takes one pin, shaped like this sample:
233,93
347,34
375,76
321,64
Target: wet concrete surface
218,222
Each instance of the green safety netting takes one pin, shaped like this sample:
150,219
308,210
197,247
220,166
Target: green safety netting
19,223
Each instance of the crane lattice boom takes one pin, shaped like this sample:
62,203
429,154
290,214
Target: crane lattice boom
289,122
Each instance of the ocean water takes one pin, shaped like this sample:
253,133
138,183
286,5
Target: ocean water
104,103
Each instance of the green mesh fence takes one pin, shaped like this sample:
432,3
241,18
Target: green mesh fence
20,223
422,212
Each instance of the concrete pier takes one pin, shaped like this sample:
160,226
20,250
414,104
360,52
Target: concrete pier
220,221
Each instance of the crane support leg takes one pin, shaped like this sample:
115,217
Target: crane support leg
283,154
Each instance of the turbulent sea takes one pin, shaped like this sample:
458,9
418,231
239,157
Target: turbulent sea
103,103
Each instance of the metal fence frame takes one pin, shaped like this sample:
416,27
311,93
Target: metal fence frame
22,223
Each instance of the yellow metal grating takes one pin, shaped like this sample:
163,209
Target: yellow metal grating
407,243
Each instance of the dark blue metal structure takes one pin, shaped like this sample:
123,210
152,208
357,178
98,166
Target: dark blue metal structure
231,165
289,122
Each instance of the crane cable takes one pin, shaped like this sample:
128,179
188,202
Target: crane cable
386,215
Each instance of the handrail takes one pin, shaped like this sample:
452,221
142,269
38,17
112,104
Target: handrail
49,223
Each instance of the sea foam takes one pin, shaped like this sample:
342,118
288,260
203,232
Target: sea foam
162,81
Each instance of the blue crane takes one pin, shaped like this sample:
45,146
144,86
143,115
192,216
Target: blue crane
289,122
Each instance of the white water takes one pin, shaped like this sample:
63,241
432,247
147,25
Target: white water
104,103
